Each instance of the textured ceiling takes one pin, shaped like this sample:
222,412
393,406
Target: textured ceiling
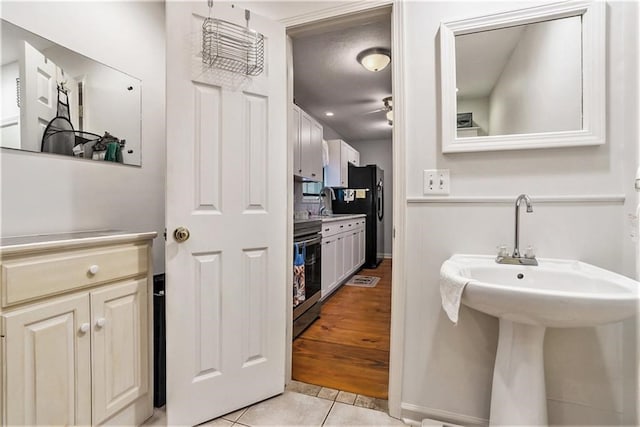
327,77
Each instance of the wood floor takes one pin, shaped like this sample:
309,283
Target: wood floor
347,348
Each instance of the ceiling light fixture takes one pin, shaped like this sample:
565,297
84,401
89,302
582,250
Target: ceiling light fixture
328,114
375,58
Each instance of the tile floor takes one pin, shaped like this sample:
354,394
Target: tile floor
304,405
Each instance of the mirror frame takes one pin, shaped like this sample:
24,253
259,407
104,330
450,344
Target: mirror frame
593,78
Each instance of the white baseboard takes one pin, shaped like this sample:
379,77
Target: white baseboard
386,256
415,414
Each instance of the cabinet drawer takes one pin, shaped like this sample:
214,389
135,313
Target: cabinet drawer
30,277
333,228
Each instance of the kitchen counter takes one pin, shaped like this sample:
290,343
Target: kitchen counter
340,217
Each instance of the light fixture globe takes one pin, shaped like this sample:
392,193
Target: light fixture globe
374,59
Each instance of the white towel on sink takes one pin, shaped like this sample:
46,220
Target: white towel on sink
452,284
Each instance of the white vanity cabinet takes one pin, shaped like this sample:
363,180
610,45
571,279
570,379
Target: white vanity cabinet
76,330
307,145
341,155
343,248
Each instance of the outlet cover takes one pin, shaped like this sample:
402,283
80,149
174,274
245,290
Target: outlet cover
436,181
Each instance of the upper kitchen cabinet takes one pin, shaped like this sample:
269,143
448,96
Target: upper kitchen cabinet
307,146
340,155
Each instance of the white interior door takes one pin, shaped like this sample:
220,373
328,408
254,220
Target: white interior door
226,183
38,96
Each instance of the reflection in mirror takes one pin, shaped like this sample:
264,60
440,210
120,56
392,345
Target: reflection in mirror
520,80
57,101
525,78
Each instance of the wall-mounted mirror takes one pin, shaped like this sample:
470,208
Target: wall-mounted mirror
57,101
530,78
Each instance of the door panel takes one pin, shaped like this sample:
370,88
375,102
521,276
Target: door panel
48,363
119,347
39,96
226,182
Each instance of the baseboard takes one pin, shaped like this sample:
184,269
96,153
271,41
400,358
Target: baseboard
415,414
387,256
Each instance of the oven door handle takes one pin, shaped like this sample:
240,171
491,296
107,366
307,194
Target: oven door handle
311,241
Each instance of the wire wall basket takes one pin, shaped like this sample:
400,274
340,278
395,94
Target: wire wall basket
231,47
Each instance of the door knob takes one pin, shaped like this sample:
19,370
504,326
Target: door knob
181,234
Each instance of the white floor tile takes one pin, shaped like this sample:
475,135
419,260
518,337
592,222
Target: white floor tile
158,419
347,415
287,409
234,415
218,422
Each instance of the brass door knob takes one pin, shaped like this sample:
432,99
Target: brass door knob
181,234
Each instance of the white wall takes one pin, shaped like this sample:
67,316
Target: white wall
447,369
48,193
540,87
379,152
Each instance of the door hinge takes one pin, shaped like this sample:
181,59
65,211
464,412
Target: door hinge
165,234
394,232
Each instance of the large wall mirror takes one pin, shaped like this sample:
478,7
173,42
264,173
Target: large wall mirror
57,101
530,78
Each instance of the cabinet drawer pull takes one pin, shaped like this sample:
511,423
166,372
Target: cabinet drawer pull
101,322
84,328
326,229
93,269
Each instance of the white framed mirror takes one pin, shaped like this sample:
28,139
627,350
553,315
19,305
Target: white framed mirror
524,79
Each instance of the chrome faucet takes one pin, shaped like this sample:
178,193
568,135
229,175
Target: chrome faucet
516,258
324,210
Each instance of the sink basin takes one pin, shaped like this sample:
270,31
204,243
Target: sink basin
556,293
527,300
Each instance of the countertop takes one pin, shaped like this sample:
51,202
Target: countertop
45,241
341,217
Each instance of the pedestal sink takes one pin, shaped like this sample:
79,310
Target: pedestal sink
528,299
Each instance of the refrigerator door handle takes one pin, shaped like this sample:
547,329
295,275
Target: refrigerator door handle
380,201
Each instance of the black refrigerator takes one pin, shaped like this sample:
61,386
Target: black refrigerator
365,195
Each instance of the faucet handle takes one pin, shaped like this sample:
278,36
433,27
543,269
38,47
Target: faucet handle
529,252
503,251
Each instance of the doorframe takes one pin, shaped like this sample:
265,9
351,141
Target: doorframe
398,284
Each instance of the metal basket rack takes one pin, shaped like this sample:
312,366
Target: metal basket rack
231,47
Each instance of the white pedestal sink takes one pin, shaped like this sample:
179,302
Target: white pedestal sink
527,300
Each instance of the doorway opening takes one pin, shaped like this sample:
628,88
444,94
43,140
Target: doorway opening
347,348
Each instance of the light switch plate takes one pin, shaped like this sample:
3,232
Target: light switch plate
436,181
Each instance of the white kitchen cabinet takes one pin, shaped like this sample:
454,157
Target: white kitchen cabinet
341,155
329,271
76,330
307,145
342,251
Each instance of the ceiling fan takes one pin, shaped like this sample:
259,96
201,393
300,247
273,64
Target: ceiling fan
387,107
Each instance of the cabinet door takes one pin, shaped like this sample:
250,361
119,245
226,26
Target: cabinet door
348,253
355,260
340,270
315,152
329,274
48,363
119,347
306,149
344,164
363,245
356,157
295,132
